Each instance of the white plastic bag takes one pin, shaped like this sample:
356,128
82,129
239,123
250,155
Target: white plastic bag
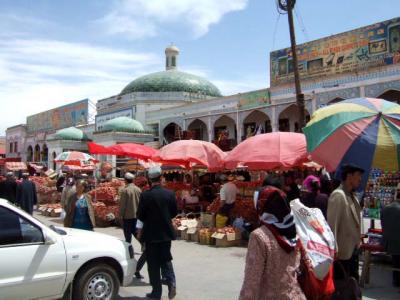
62,215
316,237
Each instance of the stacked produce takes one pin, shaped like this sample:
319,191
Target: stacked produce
225,230
46,189
214,206
106,206
245,209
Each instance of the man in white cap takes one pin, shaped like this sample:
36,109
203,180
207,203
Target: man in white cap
157,207
128,206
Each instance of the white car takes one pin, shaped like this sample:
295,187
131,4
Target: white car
40,262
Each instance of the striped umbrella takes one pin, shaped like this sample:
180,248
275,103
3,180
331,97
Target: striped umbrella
75,158
361,131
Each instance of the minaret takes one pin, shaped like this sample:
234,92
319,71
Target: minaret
171,57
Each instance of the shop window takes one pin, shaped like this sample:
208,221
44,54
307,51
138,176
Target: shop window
314,65
16,147
282,66
11,147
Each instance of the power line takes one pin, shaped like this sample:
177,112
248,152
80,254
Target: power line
275,31
301,23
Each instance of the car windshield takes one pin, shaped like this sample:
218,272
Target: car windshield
58,230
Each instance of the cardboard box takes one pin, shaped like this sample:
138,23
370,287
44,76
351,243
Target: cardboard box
227,240
207,220
184,235
192,235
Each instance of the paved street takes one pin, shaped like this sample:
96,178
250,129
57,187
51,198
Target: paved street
208,273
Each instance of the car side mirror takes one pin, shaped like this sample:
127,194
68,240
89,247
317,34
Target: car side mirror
49,239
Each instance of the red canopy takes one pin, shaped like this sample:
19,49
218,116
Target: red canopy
269,151
128,149
192,152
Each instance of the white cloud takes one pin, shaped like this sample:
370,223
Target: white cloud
147,18
37,75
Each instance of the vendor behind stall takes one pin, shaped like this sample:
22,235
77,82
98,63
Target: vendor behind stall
207,190
228,193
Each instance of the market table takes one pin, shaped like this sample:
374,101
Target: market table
368,250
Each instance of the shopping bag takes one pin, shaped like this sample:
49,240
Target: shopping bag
62,215
316,238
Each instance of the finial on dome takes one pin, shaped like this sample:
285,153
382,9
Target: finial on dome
171,57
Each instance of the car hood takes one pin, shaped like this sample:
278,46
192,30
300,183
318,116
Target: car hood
83,235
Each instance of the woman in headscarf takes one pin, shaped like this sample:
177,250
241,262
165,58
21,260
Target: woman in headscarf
273,257
312,196
79,209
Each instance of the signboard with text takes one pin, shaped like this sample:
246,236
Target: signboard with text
357,50
254,99
61,117
102,119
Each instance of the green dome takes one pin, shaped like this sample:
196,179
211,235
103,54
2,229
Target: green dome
123,124
172,81
71,133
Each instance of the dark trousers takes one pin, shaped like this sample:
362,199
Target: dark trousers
159,260
129,226
167,269
396,274
141,261
350,266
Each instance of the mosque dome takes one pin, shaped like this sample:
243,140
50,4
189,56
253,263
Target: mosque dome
123,124
172,80
71,133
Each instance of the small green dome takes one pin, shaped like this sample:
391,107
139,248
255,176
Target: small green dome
123,124
172,81
71,133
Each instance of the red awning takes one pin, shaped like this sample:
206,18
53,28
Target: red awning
133,150
16,166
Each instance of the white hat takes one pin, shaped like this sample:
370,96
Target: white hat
154,172
129,176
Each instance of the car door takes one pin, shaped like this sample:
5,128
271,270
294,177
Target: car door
29,268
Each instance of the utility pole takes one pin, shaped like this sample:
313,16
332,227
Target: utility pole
288,5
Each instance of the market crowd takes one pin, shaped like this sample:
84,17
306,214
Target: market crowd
274,263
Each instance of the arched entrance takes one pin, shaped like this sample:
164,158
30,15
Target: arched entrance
391,95
255,123
45,154
288,119
29,154
225,135
336,100
36,156
53,156
172,132
198,130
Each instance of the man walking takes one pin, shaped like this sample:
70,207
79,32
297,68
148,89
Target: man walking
391,228
157,207
26,194
128,206
8,188
345,221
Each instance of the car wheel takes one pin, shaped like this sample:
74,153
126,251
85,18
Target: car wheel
96,282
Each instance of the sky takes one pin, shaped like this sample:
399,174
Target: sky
53,52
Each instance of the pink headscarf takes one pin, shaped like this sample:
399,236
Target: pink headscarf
309,180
